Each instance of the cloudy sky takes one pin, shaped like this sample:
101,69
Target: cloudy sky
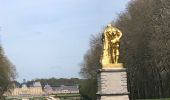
48,38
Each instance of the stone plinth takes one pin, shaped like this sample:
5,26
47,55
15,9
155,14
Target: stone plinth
112,84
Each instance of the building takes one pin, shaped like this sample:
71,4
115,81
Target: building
48,89
64,92
34,90
62,89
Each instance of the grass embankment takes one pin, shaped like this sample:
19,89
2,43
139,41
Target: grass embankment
155,99
35,98
38,98
67,95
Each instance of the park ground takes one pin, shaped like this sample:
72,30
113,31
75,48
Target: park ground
51,98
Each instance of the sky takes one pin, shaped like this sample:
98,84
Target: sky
48,38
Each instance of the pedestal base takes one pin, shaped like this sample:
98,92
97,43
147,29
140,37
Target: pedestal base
112,84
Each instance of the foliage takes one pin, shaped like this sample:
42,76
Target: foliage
7,73
89,68
144,50
145,47
57,82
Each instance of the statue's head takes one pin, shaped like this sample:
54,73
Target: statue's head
111,29
114,30
109,25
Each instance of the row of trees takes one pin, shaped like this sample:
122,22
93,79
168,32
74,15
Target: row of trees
56,82
7,73
144,50
89,67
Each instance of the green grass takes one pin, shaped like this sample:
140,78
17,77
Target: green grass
69,95
35,98
155,99
38,98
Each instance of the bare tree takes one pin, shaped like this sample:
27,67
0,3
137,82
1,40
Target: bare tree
7,73
144,49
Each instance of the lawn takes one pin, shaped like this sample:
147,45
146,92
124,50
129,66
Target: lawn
38,98
155,99
35,98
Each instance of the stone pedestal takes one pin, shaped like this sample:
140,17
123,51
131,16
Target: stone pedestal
112,84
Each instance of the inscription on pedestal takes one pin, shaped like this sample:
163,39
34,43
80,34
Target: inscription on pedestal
112,84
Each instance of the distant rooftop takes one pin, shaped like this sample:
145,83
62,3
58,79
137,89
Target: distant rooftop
36,84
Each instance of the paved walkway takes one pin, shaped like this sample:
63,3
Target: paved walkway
25,99
52,98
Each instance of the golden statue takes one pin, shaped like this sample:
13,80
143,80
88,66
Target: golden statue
110,39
